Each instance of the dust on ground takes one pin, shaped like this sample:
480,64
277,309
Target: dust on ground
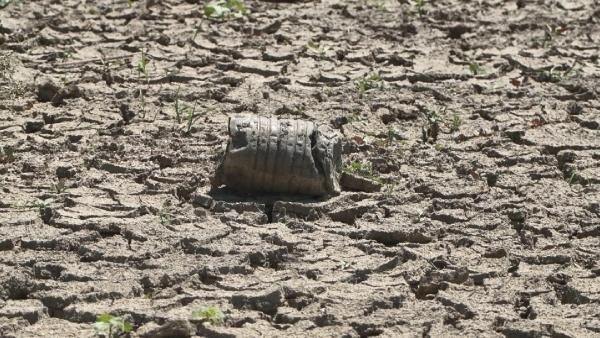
480,118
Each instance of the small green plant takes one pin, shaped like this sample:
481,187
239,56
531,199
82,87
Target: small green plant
142,65
164,214
418,7
475,68
210,315
386,139
439,147
367,82
109,326
220,9
37,204
191,118
4,3
455,122
391,136
60,186
178,108
362,168
572,177
317,47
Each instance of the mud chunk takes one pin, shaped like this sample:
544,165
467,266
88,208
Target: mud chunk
517,216
6,244
30,309
280,156
492,179
566,156
65,171
331,78
339,121
49,91
358,183
171,328
515,135
271,28
462,308
524,308
15,284
277,56
349,214
74,138
435,280
456,32
30,167
495,253
267,303
33,126
126,113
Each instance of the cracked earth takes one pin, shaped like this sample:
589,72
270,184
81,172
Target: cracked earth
480,118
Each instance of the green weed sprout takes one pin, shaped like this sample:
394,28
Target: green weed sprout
60,186
178,107
364,169
110,326
141,66
211,315
4,3
317,47
455,122
419,4
371,81
219,9
475,68
191,117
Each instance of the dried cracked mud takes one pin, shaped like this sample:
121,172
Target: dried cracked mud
481,118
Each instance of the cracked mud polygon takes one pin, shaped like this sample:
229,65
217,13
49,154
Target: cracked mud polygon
481,120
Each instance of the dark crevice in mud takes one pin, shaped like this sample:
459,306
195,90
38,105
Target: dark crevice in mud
269,211
315,153
367,329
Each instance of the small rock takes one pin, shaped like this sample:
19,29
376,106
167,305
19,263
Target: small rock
331,78
126,113
456,32
65,171
515,135
495,253
171,328
30,309
574,108
6,244
49,91
566,156
33,126
277,56
271,28
517,215
339,121
163,160
267,303
74,138
357,183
